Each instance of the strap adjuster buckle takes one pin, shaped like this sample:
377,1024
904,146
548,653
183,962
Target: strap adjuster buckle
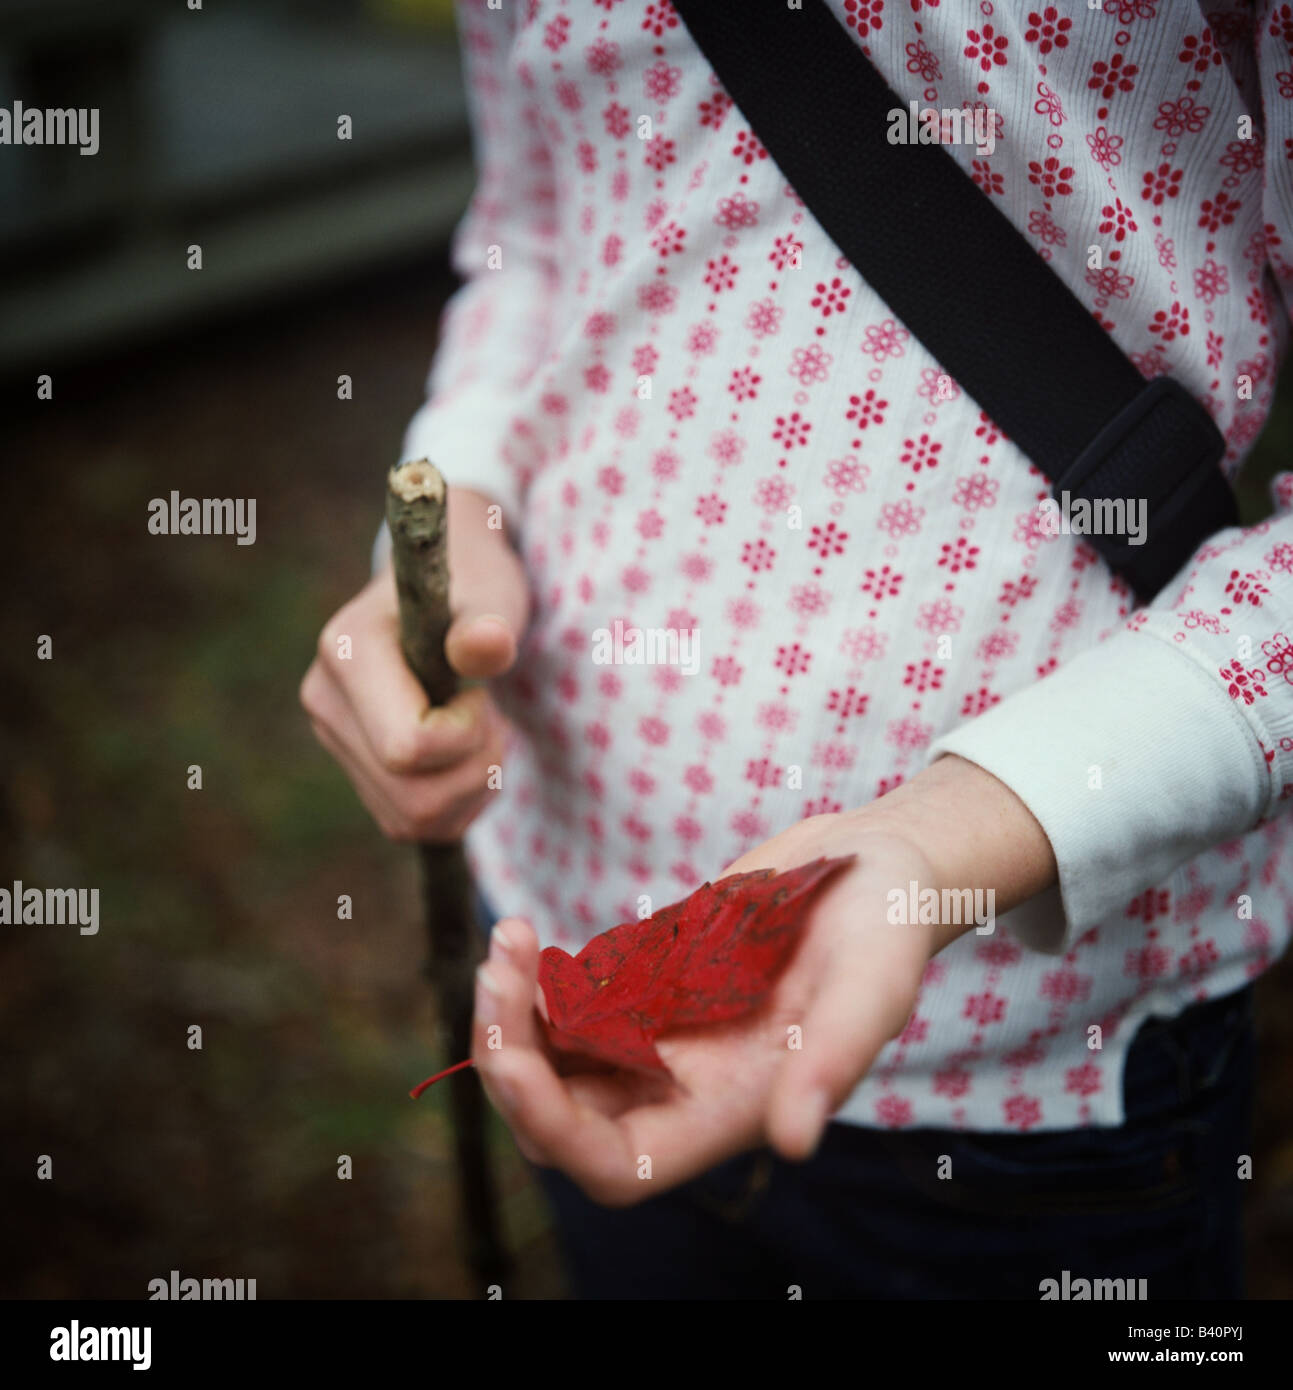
1162,449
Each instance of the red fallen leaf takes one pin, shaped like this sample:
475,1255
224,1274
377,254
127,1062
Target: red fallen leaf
710,958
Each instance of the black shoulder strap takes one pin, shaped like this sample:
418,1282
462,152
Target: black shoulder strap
962,279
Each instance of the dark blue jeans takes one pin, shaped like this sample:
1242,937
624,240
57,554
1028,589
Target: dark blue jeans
868,1216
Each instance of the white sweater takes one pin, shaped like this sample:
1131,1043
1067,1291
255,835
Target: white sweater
698,417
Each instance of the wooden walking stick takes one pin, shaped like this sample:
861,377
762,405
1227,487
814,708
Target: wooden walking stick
417,514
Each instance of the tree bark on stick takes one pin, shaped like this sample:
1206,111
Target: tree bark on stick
417,515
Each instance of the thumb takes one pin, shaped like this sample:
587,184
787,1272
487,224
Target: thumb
490,599
858,1008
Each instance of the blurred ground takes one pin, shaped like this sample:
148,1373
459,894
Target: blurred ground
219,905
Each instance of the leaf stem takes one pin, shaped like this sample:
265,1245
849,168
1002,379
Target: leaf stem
431,1080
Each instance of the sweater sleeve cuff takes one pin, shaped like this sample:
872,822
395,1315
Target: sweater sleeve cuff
1133,759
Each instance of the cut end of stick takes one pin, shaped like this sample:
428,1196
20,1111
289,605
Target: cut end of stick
411,482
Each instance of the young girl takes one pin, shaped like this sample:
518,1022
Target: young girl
694,417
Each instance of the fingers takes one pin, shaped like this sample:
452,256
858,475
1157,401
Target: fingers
488,591
373,796
854,1013
498,1021
435,806
518,1078
512,965
389,706
423,774
479,645
620,1136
